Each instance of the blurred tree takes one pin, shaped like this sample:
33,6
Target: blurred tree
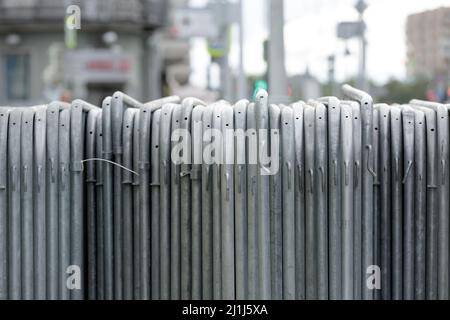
396,91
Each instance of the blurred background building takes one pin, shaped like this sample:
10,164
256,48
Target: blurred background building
211,49
115,49
428,49
428,43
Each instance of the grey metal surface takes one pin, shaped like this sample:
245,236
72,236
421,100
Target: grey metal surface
107,200
334,197
376,192
227,195
408,181
240,200
99,234
27,204
397,202
252,218
359,274
347,183
40,234
299,183
136,210
310,214
91,203
321,197
145,119
78,111
262,196
368,175
196,191
276,211
127,202
4,117
156,205
164,213
288,177
207,218
175,267
385,200
432,203
64,205
14,205
216,200
52,183
420,205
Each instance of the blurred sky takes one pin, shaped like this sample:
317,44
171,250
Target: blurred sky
310,36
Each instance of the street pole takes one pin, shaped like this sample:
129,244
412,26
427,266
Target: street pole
331,72
361,6
242,81
276,70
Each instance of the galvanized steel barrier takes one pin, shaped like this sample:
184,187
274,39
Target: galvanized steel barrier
161,200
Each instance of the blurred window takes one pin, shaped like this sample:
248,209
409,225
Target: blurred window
17,74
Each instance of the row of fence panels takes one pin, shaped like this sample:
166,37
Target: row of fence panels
178,199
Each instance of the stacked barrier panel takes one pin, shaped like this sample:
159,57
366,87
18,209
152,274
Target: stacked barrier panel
333,199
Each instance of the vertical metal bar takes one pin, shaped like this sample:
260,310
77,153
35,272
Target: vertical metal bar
385,180
52,200
420,205
117,110
77,223
4,186
27,204
408,182
334,197
262,203
359,274
300,278
108,199
145,210
227,194
310,214
444,202
14,205
185,203
196,209
432,204
127,205
136,210
376,194
240,197
175,266
164,179
252,218
217,203
91,204
64,204
207,211
365,101
397,202
276,215
321,190
156,205
288,177
100,247
347,187
40,212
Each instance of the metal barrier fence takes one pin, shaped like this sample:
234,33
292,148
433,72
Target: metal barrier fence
344,200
